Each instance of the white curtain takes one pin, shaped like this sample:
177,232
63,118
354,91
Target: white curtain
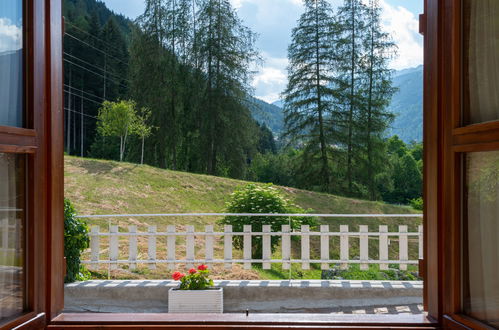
482,300
11,235
482,42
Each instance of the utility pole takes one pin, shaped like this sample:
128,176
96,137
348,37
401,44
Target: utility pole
68,128
81,120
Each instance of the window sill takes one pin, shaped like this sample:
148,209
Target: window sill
63,321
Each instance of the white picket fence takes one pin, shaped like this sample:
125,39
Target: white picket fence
130,238
10,246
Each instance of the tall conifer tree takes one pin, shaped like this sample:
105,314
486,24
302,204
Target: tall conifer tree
309,95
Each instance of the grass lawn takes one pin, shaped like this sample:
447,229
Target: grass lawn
108,187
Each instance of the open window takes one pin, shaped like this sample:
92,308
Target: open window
461,178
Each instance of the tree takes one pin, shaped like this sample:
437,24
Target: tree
377,88
225,49
309,95
351,26
117,119
142,129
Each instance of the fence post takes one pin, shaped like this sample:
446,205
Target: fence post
228,246
5,240
383,246
286,246
189,248
151,247
325,246
209,243
420,242
266,252
364,246
403,248
344,246
132,247
94,247
170,246
113,246
305,246
247,246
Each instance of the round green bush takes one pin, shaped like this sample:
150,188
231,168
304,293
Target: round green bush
75,241
257,198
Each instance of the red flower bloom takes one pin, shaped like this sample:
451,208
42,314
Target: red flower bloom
192,271
177,276
202,267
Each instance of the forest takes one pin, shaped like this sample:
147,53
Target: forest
172,89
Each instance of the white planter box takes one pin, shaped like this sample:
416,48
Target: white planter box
195,301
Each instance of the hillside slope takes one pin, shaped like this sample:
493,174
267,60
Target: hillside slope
107,187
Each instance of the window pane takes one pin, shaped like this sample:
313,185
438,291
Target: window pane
481,233
481,61
12,211
11,63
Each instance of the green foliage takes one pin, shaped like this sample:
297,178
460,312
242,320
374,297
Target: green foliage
254,198
196,279
417,203
75,241
308,96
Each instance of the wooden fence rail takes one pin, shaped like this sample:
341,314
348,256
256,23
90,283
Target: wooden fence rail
130,238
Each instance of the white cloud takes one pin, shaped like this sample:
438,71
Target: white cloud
271,78
10,36
403,26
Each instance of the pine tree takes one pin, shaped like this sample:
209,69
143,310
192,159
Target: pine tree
309,95
226,50
377,89
351,18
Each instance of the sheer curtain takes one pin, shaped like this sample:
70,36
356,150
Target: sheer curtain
12,285
481,42
482,269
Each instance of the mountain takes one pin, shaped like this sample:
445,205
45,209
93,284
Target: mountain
407,104
268,114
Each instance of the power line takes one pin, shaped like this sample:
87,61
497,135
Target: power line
95,73
81,113
97,49
79,90
97,67
83,97
93,36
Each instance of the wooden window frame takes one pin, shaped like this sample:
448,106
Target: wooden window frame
444,143
42,142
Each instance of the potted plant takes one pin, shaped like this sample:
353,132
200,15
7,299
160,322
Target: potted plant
196,293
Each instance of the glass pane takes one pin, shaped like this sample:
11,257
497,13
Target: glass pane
12,212
481,233
481,61
11,63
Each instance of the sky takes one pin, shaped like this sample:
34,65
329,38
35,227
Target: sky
273,21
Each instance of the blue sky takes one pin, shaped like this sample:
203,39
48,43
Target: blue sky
273,20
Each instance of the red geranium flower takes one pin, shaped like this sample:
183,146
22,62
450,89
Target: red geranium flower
202,267
192,271
177,276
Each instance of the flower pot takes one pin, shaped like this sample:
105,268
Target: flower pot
195,301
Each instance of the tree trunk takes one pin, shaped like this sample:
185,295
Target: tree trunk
322,138
351,111
142,154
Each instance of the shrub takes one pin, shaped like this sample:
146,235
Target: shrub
417,203
75,241
255,198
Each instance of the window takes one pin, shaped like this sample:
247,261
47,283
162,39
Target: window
11,63
12,215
